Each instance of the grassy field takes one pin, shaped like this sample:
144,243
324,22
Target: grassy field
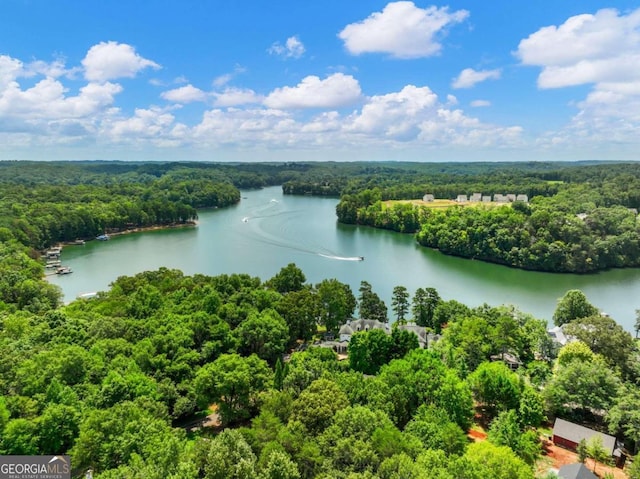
440,204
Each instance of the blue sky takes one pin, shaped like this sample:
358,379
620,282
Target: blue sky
330,80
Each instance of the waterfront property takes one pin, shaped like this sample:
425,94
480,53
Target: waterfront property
347,330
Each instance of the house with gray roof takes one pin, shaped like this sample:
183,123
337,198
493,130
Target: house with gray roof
558,336
353,326
568,434
425,339
576,471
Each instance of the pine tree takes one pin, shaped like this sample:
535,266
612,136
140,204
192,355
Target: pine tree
279,374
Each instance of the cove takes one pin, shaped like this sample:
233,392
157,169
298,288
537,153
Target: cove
268,230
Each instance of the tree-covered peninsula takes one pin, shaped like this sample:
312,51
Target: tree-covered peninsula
577,220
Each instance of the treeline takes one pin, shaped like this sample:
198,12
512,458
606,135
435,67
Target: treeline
39,214
116,381
580,228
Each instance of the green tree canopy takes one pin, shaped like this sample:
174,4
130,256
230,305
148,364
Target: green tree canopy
573,305
289,278
233,383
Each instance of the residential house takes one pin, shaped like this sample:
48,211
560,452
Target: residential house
486,199
524,198
355,325
576,471
476,197
428,198
425,339
462,199
558,337
511,197
511,360
569,435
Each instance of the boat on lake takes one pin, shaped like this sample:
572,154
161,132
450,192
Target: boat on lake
104,237
64,270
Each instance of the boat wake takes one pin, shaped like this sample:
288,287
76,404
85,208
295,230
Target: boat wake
342,258
286,237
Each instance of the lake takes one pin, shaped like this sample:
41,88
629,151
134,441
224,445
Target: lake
268,230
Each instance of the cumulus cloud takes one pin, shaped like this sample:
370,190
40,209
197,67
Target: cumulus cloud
395,114
110,60
402,30
47,100
603,50
236,96
46,111
337,90
10,70
469,77
146,124
184,94
292,48
603,47
480,103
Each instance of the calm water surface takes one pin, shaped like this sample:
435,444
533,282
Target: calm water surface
268,230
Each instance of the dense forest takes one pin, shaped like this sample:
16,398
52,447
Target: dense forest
121,382
173,376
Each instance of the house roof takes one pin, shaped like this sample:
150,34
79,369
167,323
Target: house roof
576,471
355,325
575,433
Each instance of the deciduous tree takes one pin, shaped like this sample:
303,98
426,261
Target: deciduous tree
573,305
233,382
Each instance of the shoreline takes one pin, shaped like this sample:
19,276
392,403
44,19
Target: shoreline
140,229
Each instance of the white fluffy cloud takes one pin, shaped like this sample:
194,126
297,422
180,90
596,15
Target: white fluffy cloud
49,109
236,96
480,103
469,77
337,90
111,60
292,48
402,30
603,47
47,100
184,94
147,124
396,115
10,70
412,117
